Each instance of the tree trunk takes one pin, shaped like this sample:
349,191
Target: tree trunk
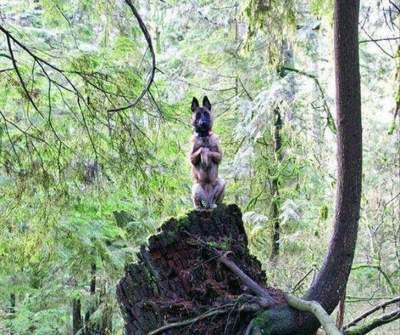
275,189
91,328
77,323
331,280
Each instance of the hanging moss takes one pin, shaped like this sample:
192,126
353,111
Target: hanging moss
276,19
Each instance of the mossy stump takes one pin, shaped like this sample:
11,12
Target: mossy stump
177,278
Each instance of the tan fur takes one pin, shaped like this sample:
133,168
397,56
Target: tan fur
205,156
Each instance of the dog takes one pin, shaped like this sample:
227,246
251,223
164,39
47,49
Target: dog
205,156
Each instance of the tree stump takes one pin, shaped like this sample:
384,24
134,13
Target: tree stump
178,277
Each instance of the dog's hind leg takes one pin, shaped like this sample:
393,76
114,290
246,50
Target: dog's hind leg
199,196
217,194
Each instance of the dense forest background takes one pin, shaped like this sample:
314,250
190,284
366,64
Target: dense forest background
87,137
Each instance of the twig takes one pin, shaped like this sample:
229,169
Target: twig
153,57
21,80
377,44
221,310
245,90
330,120
380,270
371,311
380,40
297,286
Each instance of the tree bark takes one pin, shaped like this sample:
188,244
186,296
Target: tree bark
77,322
331,280
276,232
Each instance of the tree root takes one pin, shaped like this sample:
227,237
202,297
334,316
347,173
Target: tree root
317,310
221,310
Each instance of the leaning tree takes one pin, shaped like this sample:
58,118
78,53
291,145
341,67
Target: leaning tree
331,280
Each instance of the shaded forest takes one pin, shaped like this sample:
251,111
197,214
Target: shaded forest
96,214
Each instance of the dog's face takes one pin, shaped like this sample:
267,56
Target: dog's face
202,119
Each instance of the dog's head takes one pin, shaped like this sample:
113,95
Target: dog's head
202,119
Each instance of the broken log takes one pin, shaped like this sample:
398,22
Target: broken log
179,285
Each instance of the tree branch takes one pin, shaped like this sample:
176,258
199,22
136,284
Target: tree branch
250,283
375,323
371,311
221,310
329,117
153,58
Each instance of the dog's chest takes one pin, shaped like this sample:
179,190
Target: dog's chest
206,142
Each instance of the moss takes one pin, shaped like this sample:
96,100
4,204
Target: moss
261,323
225,244
277,320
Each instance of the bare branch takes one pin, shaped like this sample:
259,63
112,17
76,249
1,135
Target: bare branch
329,117
371,311
380,40
377,44
153,57
21,80
250,283
221,310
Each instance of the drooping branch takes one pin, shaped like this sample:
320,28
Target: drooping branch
150,80
329,118
65,82
221,310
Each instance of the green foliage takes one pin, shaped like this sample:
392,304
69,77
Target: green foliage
82,185
277,19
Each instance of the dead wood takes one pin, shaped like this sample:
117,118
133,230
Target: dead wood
183,282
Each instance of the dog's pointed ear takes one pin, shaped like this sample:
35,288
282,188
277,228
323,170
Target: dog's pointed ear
207,103
195,104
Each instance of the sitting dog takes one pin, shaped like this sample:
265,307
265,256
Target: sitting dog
205,156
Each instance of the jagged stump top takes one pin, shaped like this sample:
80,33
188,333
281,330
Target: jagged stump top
178,278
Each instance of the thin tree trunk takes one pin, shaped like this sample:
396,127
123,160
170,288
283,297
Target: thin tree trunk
93,280
90,327
341,311
275,187
12,308
76,316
